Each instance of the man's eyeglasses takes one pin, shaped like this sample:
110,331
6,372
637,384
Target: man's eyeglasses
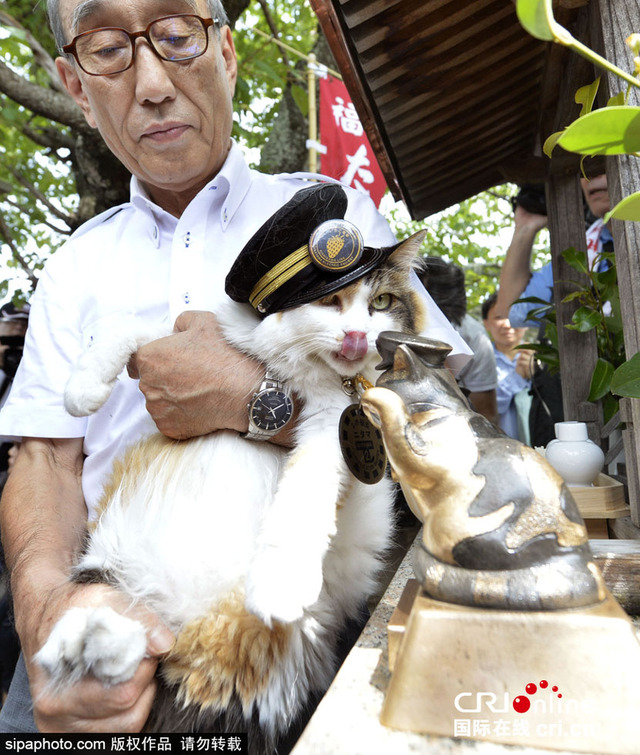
102,52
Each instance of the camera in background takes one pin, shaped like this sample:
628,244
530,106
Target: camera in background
531,198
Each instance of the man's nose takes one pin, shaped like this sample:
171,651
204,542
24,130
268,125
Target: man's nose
153,82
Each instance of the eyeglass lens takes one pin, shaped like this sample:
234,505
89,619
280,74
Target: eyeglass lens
106,51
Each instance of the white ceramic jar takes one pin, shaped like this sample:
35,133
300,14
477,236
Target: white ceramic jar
576,458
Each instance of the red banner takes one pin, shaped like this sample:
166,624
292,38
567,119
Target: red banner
349,156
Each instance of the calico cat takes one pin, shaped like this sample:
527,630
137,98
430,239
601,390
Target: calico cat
254,556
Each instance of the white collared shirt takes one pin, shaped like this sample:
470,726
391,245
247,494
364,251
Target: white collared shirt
138,259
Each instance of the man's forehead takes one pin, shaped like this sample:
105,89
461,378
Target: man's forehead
79,11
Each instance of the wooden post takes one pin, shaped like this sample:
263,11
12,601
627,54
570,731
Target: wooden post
578,351
613,21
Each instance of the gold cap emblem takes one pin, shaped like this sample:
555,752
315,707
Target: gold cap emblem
336,246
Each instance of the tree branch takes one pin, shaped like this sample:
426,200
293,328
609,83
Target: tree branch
41,101
49,137
275,32
27,212
40,55
235,8
32,189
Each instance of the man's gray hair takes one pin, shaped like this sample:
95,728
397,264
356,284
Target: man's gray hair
216,9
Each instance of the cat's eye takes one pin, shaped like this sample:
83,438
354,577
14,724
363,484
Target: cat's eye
382,302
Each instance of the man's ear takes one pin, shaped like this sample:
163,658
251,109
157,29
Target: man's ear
230,58
73,85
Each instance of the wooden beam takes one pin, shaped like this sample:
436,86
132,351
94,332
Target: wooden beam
354,79
612,22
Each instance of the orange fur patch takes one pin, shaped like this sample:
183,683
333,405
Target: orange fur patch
127,471
227,651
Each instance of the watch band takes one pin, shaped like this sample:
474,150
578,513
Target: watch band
254,432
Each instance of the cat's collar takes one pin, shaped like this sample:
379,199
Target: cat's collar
355,385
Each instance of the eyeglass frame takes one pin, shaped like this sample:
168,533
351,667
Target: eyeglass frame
70,49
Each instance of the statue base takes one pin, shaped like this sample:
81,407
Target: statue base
564,680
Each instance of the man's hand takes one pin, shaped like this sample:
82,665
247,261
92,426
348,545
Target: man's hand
43,519
524,364
88,705
194,381
516,269
529,220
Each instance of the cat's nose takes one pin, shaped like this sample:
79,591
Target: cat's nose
355,345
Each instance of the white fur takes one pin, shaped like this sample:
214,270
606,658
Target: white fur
94,640
97,370
292,530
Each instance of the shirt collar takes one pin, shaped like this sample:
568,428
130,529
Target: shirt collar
232,181
230,184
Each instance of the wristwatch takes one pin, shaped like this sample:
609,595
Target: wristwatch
270,409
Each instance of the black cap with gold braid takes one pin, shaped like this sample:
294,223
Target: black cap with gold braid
305,251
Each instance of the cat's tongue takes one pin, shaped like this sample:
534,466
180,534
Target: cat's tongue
354,346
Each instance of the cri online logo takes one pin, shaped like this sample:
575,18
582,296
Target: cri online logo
522,703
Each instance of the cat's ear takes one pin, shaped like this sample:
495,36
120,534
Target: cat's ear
408,253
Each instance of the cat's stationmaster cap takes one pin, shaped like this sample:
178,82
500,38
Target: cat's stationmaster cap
305,251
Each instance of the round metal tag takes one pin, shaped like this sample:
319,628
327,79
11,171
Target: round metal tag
362,446
336,246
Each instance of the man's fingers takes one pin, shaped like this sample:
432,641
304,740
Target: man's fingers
95,708
132,368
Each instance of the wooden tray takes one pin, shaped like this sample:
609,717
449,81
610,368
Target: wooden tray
603,500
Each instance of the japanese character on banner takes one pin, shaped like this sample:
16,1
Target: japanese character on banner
347,154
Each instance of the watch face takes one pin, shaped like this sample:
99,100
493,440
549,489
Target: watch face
271,410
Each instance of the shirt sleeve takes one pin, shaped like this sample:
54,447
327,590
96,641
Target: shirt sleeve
480,373
35,405
509,383
540,286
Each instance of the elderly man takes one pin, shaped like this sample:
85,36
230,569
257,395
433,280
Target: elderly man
164,107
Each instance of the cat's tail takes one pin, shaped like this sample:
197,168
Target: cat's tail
95,375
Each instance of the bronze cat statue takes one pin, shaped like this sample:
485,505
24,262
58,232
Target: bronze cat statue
501,529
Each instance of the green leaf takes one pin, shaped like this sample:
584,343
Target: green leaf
576,259
533,300
606,277
627,209
600,380
610,406
626,379
586,96
619,99
585,319
608,131
572,297
551,142
536,17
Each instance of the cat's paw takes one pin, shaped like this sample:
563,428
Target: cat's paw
95,641
85,393
280,585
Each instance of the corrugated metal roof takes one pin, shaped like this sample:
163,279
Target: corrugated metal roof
452,93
